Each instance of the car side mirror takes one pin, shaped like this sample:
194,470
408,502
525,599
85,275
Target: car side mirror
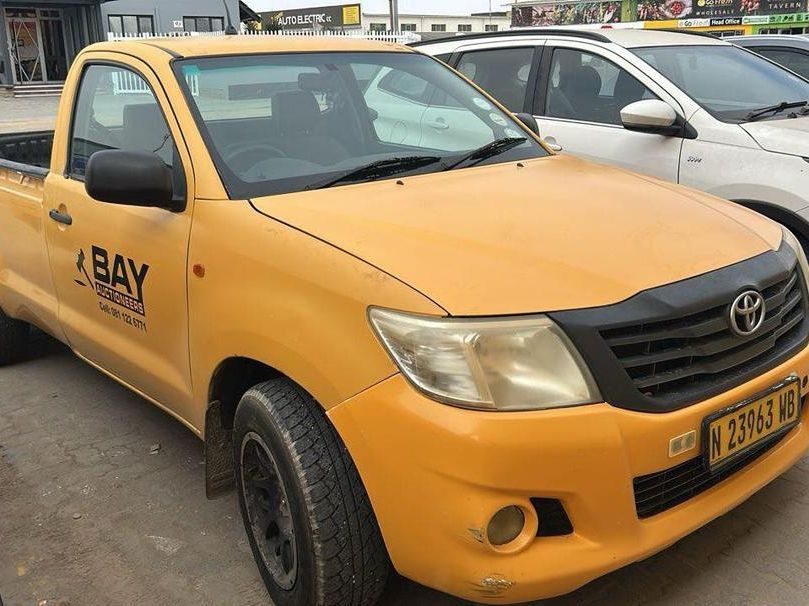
529,121
133,178
650,116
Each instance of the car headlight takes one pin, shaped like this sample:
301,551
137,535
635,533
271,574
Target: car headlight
490,364
797,248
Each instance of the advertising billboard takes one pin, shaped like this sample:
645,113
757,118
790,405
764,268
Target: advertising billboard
654,10
566,13
321,17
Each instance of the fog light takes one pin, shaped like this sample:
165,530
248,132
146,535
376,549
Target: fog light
506,525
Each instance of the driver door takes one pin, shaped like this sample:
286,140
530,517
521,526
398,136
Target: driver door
578,100
120,271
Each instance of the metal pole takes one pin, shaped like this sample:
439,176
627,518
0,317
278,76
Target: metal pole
394,15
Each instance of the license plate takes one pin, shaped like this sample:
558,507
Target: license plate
734,430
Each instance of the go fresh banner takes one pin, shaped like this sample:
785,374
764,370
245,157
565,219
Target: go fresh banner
655,10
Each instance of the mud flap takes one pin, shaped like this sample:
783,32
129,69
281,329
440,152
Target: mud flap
219,479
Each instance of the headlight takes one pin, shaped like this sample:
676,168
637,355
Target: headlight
796,246
489,364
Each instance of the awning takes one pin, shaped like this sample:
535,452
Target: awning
247,14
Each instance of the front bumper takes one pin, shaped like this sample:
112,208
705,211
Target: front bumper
435,474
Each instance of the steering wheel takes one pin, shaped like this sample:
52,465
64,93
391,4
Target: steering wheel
251,154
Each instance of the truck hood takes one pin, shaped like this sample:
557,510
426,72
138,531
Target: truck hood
785,136
558,233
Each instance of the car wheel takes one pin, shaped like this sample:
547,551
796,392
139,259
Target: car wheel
13,339
308,519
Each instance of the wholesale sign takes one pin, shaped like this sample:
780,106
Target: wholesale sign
565,13
712,10
322,17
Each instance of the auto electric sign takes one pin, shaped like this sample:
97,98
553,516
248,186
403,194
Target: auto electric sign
322,17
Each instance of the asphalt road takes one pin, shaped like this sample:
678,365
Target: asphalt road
89,516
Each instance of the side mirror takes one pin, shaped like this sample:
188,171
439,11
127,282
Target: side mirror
529,121
133,178
651,116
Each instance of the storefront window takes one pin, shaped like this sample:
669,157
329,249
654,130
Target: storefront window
203,24
131,24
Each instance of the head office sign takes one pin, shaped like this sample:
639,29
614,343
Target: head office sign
322,17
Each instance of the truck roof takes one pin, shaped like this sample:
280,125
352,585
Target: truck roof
201,46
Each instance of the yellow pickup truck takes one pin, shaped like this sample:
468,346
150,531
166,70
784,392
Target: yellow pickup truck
409,334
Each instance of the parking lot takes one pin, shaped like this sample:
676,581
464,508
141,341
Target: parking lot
102,502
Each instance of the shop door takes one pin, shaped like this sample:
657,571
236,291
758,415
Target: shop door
25,46
53,45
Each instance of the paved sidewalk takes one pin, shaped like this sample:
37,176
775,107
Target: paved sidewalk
18,114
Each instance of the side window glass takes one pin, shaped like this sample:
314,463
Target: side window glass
589,88
502,72
408,110
403,84
795,61
116,109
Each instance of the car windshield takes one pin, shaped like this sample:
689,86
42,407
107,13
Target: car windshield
278,123
729,82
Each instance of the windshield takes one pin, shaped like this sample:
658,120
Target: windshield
727,81
279,123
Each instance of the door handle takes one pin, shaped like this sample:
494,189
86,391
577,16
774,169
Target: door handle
62,218
439,124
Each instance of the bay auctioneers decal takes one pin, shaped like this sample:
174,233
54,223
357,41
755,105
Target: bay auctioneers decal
117,280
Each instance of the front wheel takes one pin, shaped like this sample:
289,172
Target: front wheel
310,525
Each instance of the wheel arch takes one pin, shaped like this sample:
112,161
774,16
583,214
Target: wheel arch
228,383
232,378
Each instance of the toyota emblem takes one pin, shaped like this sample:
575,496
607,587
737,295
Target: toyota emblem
747,313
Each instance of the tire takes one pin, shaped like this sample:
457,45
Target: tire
13,339
308,519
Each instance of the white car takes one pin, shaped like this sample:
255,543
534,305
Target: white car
425,115
683,107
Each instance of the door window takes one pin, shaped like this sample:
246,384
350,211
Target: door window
587,87
796,61
404,84
402,101
116,109
502,72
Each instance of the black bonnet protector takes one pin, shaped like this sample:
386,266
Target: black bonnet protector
672,346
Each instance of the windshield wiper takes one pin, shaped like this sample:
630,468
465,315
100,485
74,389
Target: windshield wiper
498,146
774,109
378,169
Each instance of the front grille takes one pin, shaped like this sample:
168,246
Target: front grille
676,355
671,346
662,490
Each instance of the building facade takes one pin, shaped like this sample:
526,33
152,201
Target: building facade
443,24
137,17
723,17
38,40
352,17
